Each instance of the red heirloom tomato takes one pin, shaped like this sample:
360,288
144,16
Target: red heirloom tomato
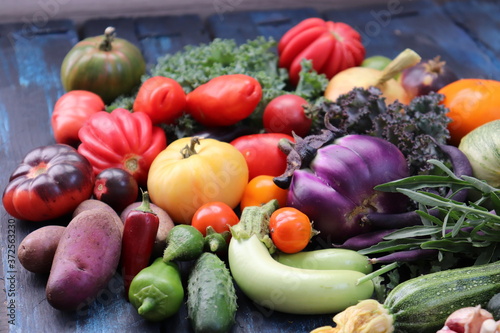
161,98
121,139
331,46
217,215
290,229
286,114
50,182
224,100
262,153
70,112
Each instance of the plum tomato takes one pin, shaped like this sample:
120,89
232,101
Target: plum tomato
290,229
217,215
287,114
116,187
261,190
262,153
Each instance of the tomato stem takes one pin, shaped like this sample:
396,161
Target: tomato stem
189,150
109,36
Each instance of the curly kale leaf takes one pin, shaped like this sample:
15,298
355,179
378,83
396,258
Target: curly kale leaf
415,129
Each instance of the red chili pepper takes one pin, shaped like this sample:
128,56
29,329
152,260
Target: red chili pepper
139,234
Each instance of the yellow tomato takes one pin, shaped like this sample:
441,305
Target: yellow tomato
191,172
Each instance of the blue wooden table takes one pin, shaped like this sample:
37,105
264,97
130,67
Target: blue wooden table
462,32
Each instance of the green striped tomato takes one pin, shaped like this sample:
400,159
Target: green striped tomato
104,65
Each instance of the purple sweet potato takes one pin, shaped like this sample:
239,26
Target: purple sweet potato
97,204
164,227
86,259
37,249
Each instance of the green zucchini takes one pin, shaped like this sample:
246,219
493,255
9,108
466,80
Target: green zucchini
211,301
422,304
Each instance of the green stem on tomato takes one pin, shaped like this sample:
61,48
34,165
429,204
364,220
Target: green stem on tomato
189,150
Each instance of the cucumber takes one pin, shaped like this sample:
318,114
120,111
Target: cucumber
422,304
211,301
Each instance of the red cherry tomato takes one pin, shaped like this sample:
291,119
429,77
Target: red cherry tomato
262,153
286,114
290,229
217,215
161,98
261,190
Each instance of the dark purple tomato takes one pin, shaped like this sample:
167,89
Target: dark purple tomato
116,187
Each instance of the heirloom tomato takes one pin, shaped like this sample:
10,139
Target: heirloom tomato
217,215
224,100
262,153
472,103
261,190
331,46
191,172
70,113
161,98
121,139
105,65
51,181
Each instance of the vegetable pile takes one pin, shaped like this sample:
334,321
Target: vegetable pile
250,167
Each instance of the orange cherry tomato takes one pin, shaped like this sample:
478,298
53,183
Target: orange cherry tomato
261,190
290,229
472,103
216,214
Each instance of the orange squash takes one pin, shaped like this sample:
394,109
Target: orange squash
472,103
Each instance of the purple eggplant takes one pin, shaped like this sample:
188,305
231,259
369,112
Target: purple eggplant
336,189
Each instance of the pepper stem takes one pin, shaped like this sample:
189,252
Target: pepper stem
109,36
189,150
147,305
146,204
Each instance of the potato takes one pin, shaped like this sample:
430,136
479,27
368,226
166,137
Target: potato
37,249
97,204
86,259
164,227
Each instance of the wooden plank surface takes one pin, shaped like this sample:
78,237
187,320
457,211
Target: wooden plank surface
421,25
29,86
480,20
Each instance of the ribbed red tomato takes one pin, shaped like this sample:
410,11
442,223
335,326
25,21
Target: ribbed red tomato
331,46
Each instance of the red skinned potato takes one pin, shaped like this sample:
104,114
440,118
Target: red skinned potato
224,100
85,260
164,227
36,251
50,182
71,111
161,98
